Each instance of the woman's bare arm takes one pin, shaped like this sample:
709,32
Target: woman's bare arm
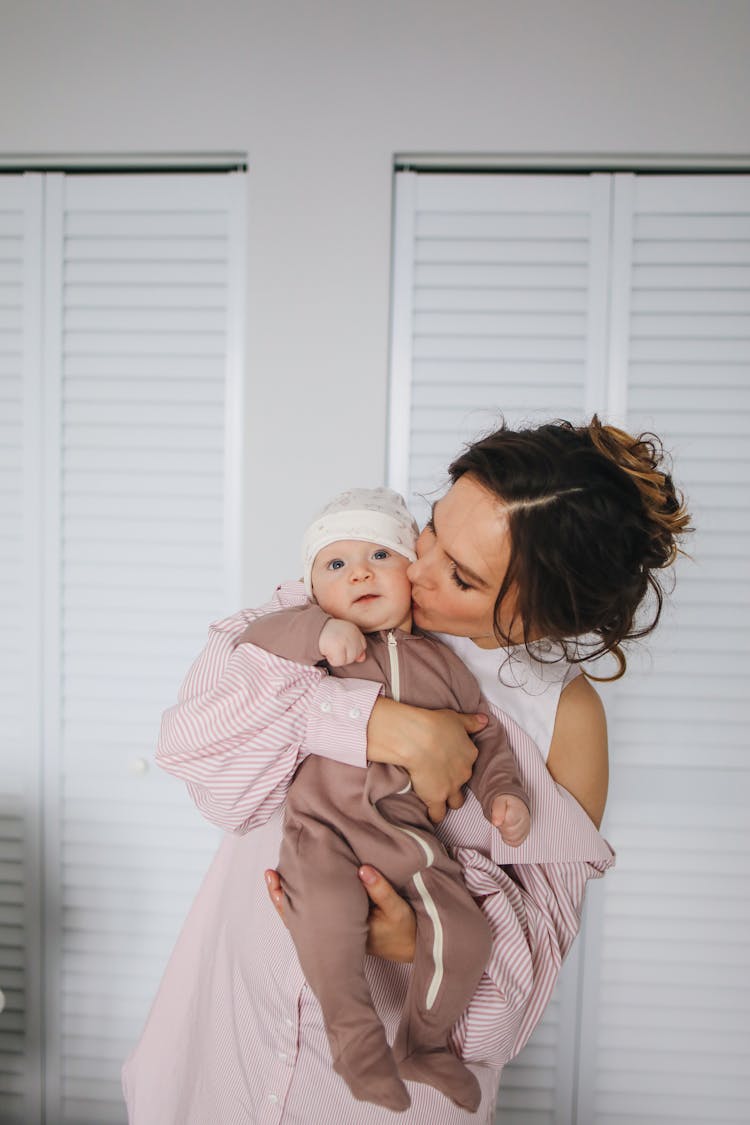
578,757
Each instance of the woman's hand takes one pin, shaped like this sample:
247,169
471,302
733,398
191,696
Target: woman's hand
433,746
393,926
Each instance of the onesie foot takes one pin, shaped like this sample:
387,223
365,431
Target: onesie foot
372,1077
441,1069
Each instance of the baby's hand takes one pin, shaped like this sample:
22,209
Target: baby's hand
341,642
511,816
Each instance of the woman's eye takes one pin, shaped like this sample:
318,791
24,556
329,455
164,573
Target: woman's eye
381,554
430,526
457,579
335,564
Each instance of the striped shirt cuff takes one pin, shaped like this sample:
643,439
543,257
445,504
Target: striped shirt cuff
337,720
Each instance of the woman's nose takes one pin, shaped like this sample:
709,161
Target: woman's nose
416,571
422,571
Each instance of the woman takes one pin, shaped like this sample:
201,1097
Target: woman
545,536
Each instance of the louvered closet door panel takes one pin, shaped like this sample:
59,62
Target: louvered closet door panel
669,1029
537,1087
499,307
497,288
20,745
145,269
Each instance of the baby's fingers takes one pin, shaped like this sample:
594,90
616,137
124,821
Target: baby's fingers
499,811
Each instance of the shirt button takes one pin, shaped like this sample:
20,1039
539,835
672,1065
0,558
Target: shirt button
273,1098
355,713
283,1056
326,706
288,1022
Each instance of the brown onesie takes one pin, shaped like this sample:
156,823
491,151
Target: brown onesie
339,817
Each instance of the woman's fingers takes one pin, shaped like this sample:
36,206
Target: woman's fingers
275,891
392,925
441,760
473,723
436,811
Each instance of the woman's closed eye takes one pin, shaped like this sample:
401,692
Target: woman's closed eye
455,576
458,579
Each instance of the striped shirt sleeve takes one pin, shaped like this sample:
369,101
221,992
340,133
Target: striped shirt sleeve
245,719
534,917
532,897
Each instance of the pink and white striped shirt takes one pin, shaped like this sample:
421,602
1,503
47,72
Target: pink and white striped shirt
234,1036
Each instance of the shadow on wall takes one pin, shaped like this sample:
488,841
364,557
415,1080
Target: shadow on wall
15,1055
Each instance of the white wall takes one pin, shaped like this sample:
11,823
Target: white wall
320,96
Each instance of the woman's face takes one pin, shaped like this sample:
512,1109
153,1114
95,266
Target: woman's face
462,557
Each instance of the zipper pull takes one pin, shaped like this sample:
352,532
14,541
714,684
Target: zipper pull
393,658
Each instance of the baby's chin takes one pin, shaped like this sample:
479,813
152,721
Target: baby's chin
384,623
419,617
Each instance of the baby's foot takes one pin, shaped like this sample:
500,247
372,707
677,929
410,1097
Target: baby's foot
443,1070
372,1076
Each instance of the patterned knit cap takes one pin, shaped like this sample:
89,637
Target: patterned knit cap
374,515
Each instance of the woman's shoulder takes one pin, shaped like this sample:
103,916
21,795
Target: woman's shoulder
287,595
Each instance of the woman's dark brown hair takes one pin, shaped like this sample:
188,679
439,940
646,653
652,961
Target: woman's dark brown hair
594,517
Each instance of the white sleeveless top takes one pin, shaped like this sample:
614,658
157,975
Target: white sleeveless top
526,689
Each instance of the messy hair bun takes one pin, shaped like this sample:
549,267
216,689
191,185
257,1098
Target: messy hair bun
595,520
665,515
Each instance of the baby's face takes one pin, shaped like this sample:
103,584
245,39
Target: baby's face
364,583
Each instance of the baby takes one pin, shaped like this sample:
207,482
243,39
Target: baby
356,556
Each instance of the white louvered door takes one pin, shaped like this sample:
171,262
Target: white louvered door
550,296
499,305
667,1009
500,281
20,665
133,475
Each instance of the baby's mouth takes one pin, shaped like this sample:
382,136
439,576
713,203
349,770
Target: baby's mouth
366,598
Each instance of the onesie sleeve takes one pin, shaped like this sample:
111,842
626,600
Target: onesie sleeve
293,634
532,897
245,719
495,771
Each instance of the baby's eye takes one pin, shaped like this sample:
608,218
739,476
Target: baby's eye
335,564
381,554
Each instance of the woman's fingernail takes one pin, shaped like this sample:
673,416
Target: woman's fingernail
367,875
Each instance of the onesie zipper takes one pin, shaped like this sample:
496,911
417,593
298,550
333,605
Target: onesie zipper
393,657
